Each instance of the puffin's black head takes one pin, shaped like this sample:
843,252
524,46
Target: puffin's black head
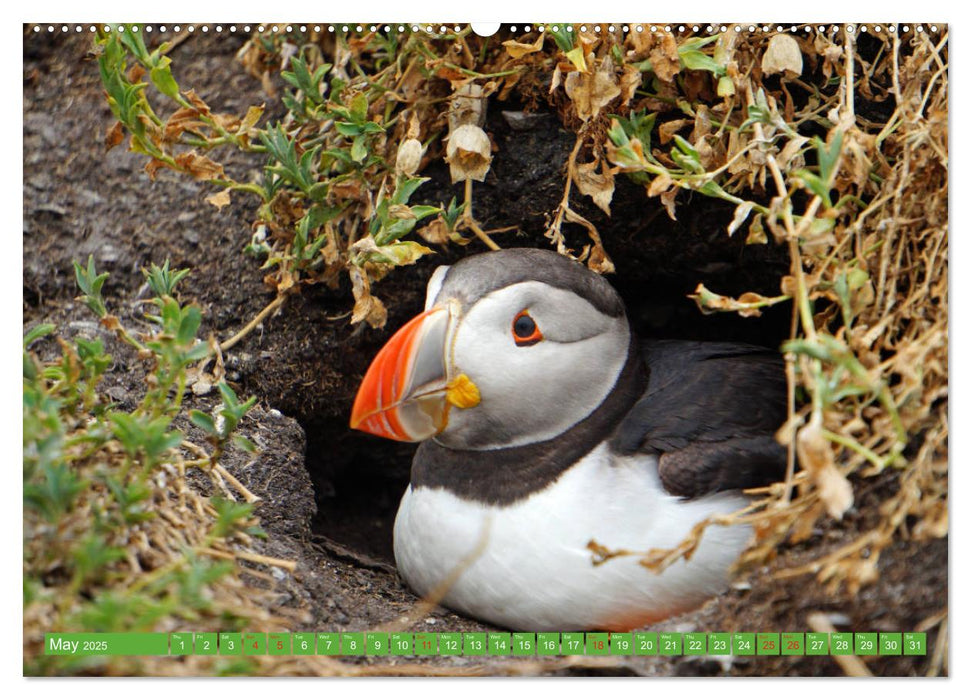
514,346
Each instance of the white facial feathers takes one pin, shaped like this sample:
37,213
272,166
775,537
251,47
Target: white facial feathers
535,392
435,285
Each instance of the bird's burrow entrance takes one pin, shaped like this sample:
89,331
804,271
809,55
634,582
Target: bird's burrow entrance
359,479
357,501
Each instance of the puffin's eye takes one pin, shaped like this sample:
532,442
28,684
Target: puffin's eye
524,330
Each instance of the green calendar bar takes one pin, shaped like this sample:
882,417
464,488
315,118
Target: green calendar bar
621,644
328,643
280,644
180,643
378,643
571,643
352,643
915,644
426,644
891,644
841,643
645,643
303,643
719,643
106,644
402,644
817,644
521,644
450,644
669,643
793,644
230,643
743,644
548,643
695,644
598,643
475,644
205,643
767,644
254,643
500,643
865,643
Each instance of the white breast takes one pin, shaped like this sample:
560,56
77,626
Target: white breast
527,566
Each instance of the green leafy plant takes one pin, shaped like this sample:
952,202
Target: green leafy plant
97,556
335,144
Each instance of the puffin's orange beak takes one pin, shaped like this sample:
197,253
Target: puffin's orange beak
404,395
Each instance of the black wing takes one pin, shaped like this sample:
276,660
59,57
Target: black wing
710,413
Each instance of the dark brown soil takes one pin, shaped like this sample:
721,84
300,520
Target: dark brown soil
330,494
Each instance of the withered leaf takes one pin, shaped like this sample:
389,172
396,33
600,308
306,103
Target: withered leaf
816,456
219,199
518,49
253,115
450,74
199,167
435,233
467,106
228,122
667,130
183,119
741,214
366,307
630,80
153,166
664,58
577,59
641,43
404,252
659,185
591,92
197,101
397,253
556,79
599,261
414,127
114,136
747,305
667,199
597,258
136,73
756,232
597,186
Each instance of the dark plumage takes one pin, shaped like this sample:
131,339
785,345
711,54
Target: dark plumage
709,413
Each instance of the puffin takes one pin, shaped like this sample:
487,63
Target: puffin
545,425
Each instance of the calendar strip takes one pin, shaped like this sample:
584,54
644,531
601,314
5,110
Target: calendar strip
513,644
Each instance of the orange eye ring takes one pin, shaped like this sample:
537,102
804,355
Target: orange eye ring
524,330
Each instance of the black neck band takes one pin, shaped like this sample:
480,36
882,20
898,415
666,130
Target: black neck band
506,475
